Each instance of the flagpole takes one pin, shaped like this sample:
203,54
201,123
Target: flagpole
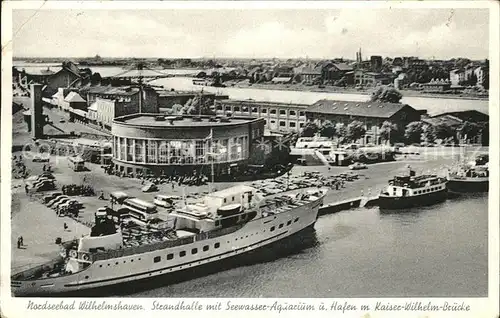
212,146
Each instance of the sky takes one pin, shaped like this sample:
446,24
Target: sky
298,33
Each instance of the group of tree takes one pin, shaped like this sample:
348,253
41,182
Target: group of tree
352,132
386,94
414,132
194,106
417,131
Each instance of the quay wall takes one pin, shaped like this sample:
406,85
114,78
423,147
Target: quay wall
348,204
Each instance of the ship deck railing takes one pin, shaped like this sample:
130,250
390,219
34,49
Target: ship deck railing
143,247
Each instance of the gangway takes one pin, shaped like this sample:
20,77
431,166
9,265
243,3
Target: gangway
322,158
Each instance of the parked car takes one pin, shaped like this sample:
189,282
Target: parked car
149,188
60,203
71,204
44,185
163,200
56,200
62,120
51,196
47,175
357,166
40,158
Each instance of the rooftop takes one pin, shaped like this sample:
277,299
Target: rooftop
74,97
252,102
110,90
176,93
239,189
150,120
363,109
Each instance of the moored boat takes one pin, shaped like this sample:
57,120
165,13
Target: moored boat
226,224
469,178
409,191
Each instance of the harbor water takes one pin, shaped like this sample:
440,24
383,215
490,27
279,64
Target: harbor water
439,250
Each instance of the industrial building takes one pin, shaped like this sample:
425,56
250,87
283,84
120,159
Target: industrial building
278,117
372,114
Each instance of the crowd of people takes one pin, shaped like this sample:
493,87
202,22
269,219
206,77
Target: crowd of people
19,169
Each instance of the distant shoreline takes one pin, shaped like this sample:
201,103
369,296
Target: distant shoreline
336,90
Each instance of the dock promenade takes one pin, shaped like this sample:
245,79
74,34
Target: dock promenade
40,226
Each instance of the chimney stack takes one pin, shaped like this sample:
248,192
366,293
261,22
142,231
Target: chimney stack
37,119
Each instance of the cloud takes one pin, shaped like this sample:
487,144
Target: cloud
266,33
273,39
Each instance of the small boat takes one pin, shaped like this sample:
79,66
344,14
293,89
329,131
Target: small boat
469,178
409,191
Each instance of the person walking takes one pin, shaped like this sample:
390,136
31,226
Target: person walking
18,242
21,240
65,226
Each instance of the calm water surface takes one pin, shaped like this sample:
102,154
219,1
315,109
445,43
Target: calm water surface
434,251
432,105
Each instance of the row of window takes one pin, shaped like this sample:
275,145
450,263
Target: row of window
205,248
291,124
282,224
181,151
428,190
194,251
255,110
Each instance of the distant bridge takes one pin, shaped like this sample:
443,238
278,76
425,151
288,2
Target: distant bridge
150,74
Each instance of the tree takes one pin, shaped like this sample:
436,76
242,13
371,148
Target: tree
341,131
327,129
310,129
388,131
95,78
198,106
413,132
444,131
470,130
429,133
355,130
386,95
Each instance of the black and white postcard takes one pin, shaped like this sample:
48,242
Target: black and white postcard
250,158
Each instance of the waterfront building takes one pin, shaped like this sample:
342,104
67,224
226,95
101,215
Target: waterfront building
372,114
306,74
376,63
67,75
414,64
278,117
153,144
129,96
457,120
437,86
102,112
331,71
482,74
457,77
364,78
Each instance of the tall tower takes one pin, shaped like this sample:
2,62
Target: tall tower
37,119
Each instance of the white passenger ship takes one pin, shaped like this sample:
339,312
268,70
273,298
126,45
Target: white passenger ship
227,223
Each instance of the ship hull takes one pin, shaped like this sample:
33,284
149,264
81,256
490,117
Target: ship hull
290,245
397,203
468,185
256,237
